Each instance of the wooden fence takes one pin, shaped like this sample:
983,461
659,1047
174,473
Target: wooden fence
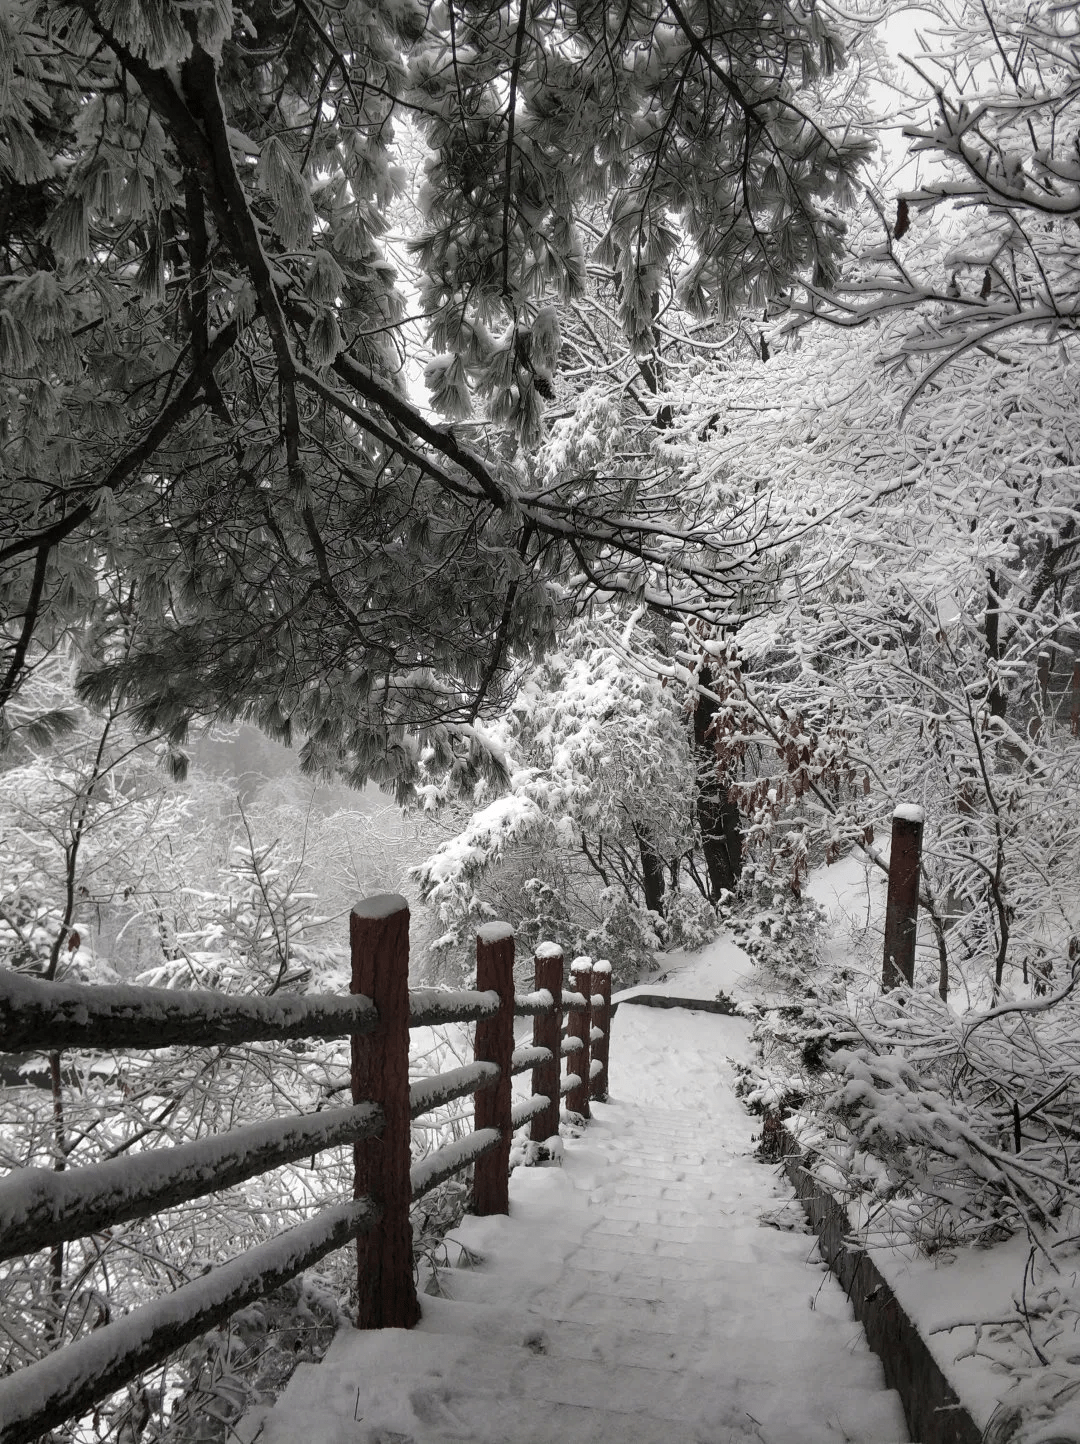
40,1208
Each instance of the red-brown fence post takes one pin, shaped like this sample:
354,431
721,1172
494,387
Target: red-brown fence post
547,1033
379,935
1042,672
902,905
495,1044
601,1015
579,1025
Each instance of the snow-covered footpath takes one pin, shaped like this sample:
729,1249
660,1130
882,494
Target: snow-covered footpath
656,1288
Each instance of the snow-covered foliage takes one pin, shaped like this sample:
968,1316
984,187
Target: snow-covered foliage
776,925
946,1130
978,247
215,472
600,777
918,645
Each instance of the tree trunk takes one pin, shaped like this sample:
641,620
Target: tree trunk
718,815
652,871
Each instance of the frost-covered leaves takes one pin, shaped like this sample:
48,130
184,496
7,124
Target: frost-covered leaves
686,138
94,212
210,467
149,463
944,1128
984,247
23,160
445,379
278,174
598,756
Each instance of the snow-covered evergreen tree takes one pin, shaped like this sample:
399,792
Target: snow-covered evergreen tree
587,839
207,375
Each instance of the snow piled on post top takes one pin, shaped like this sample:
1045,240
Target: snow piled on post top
381,905
548,950
908,812
494,932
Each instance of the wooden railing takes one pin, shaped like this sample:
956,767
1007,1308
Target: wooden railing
40,1208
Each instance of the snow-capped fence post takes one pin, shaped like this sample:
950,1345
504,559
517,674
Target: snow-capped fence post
902,906
547,1033
379,935
601,1036
495,1044
579,1026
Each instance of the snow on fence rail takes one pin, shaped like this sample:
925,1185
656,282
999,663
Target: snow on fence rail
39,1016
40,1207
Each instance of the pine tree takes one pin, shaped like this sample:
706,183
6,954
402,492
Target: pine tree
214,470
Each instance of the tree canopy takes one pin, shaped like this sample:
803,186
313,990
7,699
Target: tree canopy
217,469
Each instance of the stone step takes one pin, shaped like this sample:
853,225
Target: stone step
433,1385
559,1338
639,1275
809,1341
632,1296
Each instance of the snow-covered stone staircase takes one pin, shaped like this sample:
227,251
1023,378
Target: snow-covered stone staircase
657,1288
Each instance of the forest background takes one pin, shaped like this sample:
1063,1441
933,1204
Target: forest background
641,440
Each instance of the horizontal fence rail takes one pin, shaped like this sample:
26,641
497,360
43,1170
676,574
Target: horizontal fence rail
71,1381
39,1207
437,1167
444,1088
430,1007
528,1108
40,1016
526,1058
42,1208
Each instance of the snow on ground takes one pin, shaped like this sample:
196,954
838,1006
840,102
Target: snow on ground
720,966
656,1288
952,1294
954,1299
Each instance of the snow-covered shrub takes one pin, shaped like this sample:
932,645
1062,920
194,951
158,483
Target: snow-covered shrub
948,1129
601,923
432,1219
627,935
597,810
958,1127
690,920
778,927
245,1362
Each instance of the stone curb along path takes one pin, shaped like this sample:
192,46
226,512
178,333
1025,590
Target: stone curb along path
657,1288
933,1410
